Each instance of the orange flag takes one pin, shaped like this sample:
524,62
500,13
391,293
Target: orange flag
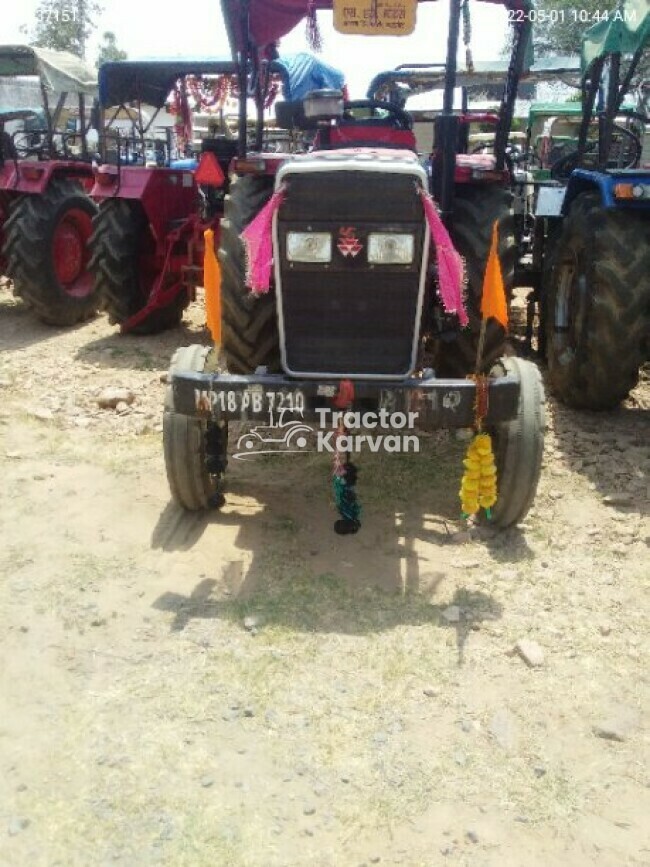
212,286
493,301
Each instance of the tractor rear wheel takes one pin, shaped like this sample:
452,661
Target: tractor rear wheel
195,449
47,255
249,323
475,210
125,269
519,446
5,207
597,298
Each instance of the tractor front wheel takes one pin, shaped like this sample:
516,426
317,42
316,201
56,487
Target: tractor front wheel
125,268
195,448
46,252
597,297
519,445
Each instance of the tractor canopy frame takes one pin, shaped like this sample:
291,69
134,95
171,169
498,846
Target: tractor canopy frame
605,83
164,198
418,78
149,82
57,72
254,26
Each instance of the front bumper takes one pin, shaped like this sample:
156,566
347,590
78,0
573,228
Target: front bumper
439,403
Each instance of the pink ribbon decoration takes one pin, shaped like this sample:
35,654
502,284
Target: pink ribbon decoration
450,265
258,241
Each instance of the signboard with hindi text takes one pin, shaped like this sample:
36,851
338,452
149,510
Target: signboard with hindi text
375,17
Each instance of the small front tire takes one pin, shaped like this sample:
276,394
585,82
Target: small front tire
195,448
519,446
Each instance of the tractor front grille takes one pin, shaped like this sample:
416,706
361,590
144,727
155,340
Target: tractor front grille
349,317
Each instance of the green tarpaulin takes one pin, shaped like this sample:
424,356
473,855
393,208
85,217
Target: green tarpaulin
626,30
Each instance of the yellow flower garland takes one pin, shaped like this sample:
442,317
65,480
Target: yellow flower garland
478,488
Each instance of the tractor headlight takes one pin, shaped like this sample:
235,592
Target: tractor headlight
309,247
390,248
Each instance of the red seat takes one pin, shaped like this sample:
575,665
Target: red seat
483,162
353,135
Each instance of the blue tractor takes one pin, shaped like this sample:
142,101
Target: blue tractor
595,287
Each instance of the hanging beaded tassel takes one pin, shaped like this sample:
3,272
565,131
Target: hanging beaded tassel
314,37
478,489
344,479
467,36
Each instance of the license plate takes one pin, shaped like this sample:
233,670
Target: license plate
252,401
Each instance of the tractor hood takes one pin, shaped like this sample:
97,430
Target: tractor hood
270,20
59,71
151,81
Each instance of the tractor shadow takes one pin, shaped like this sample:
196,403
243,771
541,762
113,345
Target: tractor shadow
19,327
278,560
132,351
326,604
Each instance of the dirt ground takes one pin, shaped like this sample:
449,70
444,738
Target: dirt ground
247,688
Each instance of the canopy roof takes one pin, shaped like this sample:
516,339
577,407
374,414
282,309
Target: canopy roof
567,109
627,30
270,20
60,71
151,81
571,109
7,114
415,80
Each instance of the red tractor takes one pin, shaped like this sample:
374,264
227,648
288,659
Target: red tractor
147,246
45,176
362,308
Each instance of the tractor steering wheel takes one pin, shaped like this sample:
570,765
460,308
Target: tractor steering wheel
23,147
398,118
561,170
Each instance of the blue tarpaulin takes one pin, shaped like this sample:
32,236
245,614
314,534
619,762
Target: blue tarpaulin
305,73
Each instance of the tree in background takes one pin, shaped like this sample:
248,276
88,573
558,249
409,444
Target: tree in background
562,31
64,25
559,25
108,50
564,36
565,23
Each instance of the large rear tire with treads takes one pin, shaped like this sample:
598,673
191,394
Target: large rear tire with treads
249,323
475,210
597,296
46,252
124,268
